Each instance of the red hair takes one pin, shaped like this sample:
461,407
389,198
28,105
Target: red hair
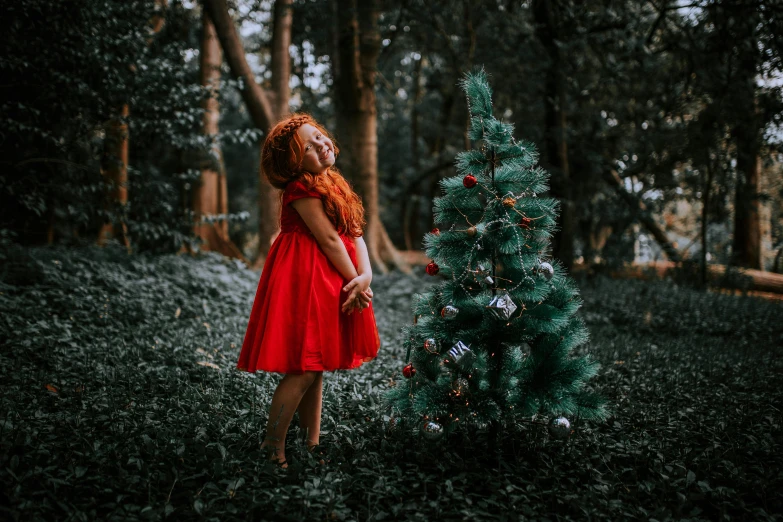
281,162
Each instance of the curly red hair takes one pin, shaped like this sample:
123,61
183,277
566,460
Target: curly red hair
281,160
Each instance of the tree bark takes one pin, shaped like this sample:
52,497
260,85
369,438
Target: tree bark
114,168
265,108
556,123
359,42
114,164
268,196
210,197
410,205
256,100
746,249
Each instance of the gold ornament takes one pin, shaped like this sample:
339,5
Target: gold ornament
472,231
509,202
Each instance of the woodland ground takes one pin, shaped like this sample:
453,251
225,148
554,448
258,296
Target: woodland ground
120,401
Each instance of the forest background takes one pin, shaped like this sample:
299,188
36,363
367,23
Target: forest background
141,121
137,125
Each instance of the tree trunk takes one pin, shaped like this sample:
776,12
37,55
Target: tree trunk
269,196
256,100
114,164
114,167
410,205
358,48
264,108
748,132
746,250
210,197
556,123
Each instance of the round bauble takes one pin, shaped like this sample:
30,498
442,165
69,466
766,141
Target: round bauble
435,231
433,268
469,181
449,312
471,231
559,428
431,345
546,270
409,371
432,430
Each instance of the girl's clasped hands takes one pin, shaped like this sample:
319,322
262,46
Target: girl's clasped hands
359,294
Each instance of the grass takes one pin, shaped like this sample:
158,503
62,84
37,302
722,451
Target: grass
120,401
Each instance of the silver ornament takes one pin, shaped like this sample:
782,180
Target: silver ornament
546,270
458,352
560,428
449,312
432,430
431,345
502,306
484,272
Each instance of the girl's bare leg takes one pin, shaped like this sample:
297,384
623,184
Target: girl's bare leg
310,411
285,401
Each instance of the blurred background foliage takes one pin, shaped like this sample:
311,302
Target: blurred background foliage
648,114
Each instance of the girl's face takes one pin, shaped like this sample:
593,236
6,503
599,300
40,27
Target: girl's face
317,149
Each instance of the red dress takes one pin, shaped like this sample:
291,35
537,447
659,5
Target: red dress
296,323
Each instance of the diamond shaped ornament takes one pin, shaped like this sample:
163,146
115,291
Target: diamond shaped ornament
502,306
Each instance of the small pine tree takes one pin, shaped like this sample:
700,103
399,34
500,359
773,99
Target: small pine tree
493,342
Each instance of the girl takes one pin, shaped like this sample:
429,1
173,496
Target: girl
315,279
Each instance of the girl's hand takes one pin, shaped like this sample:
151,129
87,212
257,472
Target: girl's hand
359,294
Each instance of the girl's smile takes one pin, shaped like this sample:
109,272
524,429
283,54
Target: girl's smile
317,149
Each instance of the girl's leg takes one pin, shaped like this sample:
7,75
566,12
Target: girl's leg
285,401
310,411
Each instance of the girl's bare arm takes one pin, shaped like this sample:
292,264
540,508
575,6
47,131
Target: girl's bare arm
362,257
312,212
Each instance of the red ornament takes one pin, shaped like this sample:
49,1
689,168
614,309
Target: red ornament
433,268
469,181
436,231
525,223
409,371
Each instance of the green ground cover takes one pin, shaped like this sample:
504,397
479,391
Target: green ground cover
120,401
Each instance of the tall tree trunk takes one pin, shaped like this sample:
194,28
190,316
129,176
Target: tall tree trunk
746,248
265,108
269,196
114,167
114,164
747,224
556,122
210,197
358,48
410,204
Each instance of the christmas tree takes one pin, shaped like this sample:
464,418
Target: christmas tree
493,342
